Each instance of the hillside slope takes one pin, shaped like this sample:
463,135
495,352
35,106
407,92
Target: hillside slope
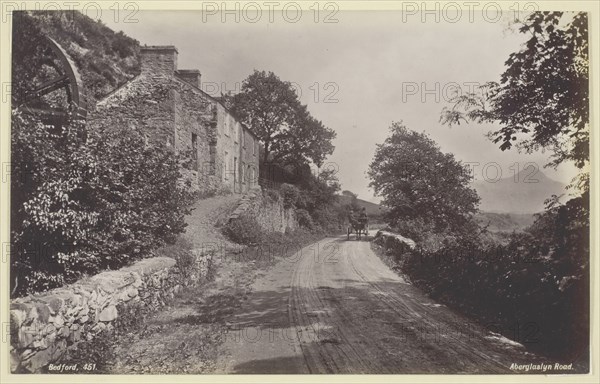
105,58
373,210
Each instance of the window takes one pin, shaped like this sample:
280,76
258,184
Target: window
212,164
194,151
226,127
235,169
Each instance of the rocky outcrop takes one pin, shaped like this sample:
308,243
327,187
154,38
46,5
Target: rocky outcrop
268,209
386,236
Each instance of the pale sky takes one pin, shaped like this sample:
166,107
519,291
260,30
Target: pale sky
357,75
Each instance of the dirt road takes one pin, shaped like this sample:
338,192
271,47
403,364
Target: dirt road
335,307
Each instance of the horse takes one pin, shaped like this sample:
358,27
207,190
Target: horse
359,227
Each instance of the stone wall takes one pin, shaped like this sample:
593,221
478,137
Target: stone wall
168,105
249,164
228,148
237,151
394,245
160,60
146,103
43,326
267,208
195,131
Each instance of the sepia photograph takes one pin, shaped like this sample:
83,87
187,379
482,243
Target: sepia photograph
299,188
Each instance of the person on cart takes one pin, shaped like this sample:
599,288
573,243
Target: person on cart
363,219
352,217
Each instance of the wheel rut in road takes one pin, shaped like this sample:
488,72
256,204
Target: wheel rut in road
342,310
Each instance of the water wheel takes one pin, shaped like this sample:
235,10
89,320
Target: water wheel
54,89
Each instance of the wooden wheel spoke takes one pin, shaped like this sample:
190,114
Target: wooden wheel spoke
48,87
67,79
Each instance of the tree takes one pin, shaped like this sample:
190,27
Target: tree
350,194
319,198
542,100
420,183
289,134
353,200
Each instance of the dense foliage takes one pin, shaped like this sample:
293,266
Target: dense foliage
288,132
542,100
316,201
427,190
81,200
535,289
104,58
292,139
534,286
81,203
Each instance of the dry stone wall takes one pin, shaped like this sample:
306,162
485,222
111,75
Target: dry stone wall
45,325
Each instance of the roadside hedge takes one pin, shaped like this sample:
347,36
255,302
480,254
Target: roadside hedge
535,289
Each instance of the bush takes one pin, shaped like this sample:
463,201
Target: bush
181,252
81,203
290,194
271,194
245,230
539,279
304,219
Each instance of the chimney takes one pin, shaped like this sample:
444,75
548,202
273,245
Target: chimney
159,59
191,76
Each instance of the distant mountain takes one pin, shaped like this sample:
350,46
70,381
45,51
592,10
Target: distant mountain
521,193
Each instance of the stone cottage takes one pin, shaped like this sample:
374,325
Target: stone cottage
169,105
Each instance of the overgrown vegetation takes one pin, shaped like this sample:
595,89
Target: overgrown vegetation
542,99
80,205
82,200
104,58
538,282
314,202
533,286
245,230
321,219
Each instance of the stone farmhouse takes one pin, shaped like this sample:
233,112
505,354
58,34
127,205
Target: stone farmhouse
168,104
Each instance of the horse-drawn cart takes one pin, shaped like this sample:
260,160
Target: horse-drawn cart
358,227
